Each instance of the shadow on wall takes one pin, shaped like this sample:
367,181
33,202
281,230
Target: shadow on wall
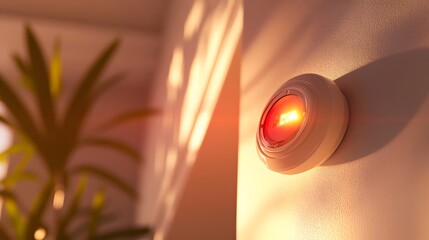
383,97
315,22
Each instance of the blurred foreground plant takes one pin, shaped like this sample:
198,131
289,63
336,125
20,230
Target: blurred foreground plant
54,138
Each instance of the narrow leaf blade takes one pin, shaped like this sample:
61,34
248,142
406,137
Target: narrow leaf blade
38,208
20,114
90,79
106,85
24,69
41,79
16,148
80,103
97,206
103,174
11,179
73,209
114,145
55,71
17,219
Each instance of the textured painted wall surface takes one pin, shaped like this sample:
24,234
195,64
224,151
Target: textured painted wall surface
200,39
207,206
375,185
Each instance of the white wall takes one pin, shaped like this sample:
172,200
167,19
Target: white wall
375,185
200,39
207,206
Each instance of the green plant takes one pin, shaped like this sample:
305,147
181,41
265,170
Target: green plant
54,139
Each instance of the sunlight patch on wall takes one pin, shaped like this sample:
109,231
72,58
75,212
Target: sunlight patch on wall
197,84
175,77
213,31
198,134
174,84
193,21
213,90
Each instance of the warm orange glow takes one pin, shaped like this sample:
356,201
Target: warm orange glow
59,196
284,119
40,234
288,117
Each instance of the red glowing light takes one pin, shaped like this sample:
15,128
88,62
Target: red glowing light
284,119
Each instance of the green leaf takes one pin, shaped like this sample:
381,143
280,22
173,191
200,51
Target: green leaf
23,147
80,104
40,79
97,205
20,114
23,162
55,73
81,228
114,145
17,131
38,209
124,233
20,147
103,174
8,195
127,116
106,85
18,173
11,179
25,72
98,200
16,218
73,209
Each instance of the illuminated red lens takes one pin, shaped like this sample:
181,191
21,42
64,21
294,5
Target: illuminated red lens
284,119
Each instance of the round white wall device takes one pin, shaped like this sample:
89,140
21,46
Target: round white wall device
302,124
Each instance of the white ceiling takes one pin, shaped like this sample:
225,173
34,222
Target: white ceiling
142,15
